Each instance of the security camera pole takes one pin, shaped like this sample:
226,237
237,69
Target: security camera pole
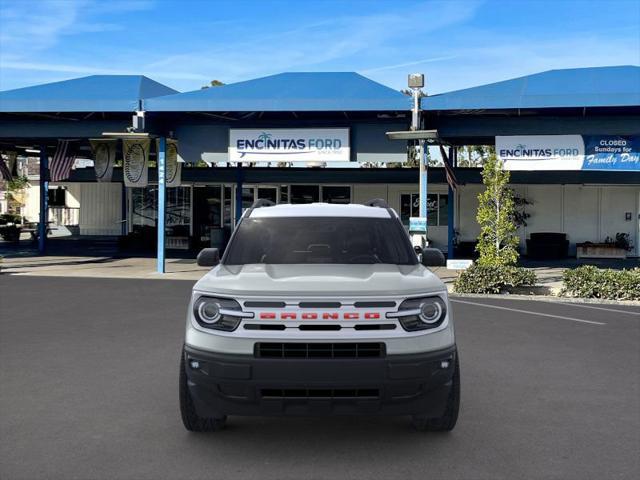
418,229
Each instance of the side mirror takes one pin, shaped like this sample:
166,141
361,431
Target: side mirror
208,257
432,257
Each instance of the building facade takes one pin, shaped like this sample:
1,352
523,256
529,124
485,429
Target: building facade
588,206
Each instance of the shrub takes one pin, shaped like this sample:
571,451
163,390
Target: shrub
592,282
493,279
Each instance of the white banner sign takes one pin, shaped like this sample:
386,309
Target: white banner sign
289,145
104,157
136,162
541,152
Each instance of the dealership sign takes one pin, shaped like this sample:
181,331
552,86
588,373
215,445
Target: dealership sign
541,152
569,152
611,152
289,145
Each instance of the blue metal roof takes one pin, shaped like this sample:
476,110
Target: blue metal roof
576,87
96,93
288,92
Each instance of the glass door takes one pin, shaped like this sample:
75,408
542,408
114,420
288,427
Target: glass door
207,216
251,193
268,193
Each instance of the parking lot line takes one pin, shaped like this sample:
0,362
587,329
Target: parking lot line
598,308
530,312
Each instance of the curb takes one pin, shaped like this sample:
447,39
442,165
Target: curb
548,298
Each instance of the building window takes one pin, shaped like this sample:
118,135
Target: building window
247,198
179,208
443,210
305,193
228,206
432,209
409,207
144,208
336,194
57,197
437,212
284,193
207,213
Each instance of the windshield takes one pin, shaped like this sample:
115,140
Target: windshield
329,240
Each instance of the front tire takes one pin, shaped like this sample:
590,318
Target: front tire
448,420
190,418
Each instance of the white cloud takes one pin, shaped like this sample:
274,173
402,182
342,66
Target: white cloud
408,64
90,70
494,59
30,27
343,40
438,38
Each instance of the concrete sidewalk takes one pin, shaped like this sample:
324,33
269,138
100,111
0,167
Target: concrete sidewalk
178,269
101,267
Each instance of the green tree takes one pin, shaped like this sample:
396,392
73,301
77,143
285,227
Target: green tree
213,83
15,195
497,243
474,155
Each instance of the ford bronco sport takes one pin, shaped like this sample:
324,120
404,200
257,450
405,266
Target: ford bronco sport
319,309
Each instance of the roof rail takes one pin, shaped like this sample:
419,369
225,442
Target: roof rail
377,202
261,202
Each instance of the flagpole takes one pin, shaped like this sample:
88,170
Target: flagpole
44,200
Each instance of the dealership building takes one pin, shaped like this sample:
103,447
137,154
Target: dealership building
570,137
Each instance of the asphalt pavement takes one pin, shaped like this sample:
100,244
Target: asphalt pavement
88,390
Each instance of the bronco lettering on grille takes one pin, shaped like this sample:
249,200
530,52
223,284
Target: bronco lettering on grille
317,316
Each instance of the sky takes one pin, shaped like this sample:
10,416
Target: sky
185,44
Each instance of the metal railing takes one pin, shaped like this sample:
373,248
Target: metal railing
64,215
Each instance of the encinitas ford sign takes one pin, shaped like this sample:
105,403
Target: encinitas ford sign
289,145
541,152
569,152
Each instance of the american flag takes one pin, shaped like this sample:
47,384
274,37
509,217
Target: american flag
448,170
62,161
5,172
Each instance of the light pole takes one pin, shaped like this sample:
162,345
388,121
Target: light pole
419,232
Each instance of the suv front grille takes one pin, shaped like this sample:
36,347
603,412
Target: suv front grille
320,393
319,350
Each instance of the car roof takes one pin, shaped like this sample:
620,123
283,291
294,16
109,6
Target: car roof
321,210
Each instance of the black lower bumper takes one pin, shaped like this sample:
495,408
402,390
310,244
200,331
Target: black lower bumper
417,384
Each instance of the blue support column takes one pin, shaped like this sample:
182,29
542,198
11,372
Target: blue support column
239,180
124,211
423,178
44,200
162,192
453,153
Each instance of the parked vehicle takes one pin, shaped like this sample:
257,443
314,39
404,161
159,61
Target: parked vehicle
319,309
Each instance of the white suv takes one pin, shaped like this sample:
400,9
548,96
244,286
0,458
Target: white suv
319,309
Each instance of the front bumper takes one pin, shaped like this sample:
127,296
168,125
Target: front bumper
414,384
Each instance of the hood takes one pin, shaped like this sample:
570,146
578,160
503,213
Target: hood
319,280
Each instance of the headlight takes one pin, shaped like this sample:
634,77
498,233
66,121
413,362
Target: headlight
421,313
218,313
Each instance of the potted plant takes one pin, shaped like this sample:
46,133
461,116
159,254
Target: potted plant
10,227
617,247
